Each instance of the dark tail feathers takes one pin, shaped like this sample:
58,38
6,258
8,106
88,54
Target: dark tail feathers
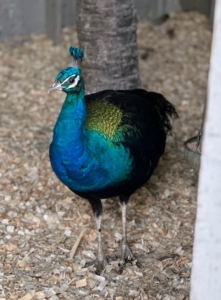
165,109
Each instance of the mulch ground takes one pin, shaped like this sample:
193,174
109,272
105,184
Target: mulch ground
41,220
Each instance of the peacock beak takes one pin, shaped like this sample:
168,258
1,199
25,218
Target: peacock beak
55,86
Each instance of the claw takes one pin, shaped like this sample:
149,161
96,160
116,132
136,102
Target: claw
98,265
125,254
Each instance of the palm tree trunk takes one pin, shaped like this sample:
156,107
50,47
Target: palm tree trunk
107,35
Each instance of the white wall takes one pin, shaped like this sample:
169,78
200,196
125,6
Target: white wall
206,272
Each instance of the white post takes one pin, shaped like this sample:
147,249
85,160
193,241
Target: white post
206,273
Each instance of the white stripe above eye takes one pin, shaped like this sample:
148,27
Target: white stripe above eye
66,79
77,78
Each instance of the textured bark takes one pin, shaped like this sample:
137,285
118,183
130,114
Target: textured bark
107,35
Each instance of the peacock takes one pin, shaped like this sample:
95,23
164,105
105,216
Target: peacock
107,144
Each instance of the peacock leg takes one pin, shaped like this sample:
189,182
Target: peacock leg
124,251
100,261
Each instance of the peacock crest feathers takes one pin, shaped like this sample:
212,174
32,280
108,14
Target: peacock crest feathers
77,56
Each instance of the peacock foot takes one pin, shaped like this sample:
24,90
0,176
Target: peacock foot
124,254
98,265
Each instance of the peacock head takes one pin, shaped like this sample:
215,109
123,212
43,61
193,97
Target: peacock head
70,80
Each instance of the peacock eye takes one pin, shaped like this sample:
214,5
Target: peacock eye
71,80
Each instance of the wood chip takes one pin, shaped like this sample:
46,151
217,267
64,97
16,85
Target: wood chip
74,248
39,295
102,285
28,296
81,283
96,277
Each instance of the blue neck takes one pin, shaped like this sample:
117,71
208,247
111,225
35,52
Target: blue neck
69,128
74,107
82,159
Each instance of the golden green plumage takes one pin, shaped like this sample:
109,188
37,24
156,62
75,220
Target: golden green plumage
126,130
103,117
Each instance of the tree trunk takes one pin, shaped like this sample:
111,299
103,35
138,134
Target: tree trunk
107,35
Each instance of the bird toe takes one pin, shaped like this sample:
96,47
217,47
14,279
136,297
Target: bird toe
125,254
98,265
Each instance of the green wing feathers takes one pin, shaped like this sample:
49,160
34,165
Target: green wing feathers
125,116
103,117
106,118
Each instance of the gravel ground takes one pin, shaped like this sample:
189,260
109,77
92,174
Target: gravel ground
41,220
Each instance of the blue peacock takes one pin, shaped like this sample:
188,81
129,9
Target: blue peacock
107,144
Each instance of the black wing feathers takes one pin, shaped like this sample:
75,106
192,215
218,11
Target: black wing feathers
146,117
138,101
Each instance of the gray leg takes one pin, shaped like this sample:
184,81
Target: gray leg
124,221
100,262
124,252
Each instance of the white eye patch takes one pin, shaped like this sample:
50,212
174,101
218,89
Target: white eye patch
76,80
